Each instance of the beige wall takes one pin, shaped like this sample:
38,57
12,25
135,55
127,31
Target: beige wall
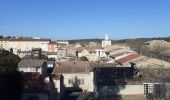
24,45
121,90
81,76
106,43
5,45
30,69
27,45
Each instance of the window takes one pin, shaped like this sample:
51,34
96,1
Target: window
148,88
81,81
145,89
78,81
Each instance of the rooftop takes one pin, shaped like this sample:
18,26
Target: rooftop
30,63
34,83
127,58
71,67
23,39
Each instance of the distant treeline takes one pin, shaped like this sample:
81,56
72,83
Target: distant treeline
85,40
144,39
120,41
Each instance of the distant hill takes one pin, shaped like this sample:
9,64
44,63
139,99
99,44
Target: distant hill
144,39
85,40
120,41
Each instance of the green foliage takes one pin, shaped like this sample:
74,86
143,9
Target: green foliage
51,59
85,40
83,58
44,57
91,98
8,62
74,59
150,96
10,77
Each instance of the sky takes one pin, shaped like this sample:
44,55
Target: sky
82,19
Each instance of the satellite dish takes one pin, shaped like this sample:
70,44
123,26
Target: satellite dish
46,80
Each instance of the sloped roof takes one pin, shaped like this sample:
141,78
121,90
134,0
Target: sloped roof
30,63
56,76
51,53
120,54
71,67
127,58
34,83
101,64
79,49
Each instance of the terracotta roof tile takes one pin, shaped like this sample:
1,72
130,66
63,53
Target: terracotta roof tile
34,82
127,58
30,63
71,67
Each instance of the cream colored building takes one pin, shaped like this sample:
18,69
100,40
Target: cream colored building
76,74
24,44
4,44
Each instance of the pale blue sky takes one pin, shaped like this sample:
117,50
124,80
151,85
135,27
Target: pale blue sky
74,19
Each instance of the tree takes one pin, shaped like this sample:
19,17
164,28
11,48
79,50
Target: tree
83,58
10,77
8,62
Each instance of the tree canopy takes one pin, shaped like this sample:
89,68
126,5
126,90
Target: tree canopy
8,62
10,77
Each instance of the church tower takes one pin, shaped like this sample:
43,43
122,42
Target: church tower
106,42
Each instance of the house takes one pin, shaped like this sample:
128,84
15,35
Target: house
104,79
52,47
76,74
115,81
61,53
22,54
92,53
41,87
29,65
79,51
71,52
131,82
62,43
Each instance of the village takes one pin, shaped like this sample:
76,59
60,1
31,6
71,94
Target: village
59,70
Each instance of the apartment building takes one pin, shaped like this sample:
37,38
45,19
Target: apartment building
24,43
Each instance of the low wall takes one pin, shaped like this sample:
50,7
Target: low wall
120,90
